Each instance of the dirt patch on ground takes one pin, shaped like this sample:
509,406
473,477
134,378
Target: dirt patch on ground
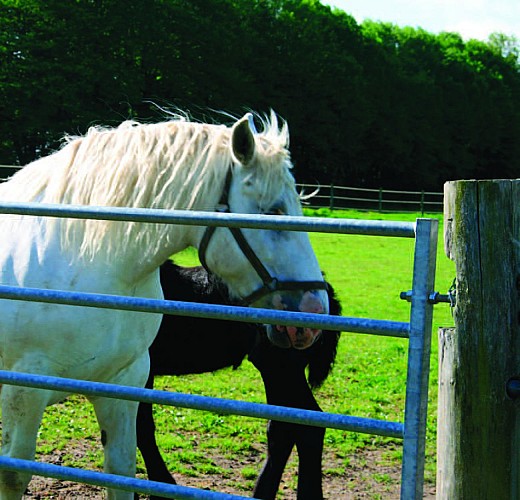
365,477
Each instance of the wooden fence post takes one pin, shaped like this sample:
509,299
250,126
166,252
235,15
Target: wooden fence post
478,435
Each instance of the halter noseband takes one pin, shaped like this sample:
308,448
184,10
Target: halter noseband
270,284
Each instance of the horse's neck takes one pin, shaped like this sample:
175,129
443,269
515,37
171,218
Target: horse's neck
33,242
32,254
173,239
168,240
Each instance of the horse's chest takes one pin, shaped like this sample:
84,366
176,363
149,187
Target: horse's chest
72,341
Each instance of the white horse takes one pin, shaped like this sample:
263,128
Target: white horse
175,165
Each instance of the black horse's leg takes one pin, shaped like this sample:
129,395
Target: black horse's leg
281,438
283,374
285,383
155,466
309,443
280,442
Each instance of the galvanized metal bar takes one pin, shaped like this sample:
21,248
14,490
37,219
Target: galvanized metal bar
196,218
114,481
234,313
218,405
421,316
413,430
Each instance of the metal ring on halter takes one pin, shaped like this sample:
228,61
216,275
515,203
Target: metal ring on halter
270,284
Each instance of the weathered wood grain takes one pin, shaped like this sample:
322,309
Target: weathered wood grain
478,437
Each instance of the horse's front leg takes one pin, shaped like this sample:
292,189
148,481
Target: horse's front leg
22,411
286,385
281,438
309,443
280,442
117,421
147,444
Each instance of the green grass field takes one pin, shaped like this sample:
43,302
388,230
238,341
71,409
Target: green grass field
368,380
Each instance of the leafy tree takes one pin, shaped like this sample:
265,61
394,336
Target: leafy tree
372,104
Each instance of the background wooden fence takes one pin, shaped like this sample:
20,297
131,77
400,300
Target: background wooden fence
342,197
381,200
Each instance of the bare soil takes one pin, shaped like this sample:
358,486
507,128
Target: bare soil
366,477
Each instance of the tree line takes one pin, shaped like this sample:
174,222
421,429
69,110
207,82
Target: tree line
371,104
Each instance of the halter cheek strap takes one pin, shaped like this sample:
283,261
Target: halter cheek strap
270,284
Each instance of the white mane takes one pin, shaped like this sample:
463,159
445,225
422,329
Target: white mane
174,165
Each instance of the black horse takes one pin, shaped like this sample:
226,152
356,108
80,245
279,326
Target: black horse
187,345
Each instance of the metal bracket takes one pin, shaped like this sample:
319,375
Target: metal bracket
433,298
436,297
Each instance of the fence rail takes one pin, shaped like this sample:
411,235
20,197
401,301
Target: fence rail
233,313
197,218
381,200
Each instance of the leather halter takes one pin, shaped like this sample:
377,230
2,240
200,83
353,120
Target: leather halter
270,284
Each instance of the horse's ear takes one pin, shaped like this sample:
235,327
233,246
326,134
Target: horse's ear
243,140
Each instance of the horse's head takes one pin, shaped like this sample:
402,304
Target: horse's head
265,268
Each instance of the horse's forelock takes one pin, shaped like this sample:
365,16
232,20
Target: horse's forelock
273,167
274,131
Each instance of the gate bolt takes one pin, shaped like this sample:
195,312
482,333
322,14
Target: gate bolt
433,298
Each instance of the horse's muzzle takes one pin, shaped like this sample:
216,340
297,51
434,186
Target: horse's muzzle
291,336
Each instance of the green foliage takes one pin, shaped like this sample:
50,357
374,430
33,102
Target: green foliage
371,104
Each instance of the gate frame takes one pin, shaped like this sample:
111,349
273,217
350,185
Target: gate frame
418,330
419,352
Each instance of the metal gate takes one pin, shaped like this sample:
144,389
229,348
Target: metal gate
418,332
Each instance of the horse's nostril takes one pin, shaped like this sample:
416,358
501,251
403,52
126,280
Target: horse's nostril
299,332
278,336
291,336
